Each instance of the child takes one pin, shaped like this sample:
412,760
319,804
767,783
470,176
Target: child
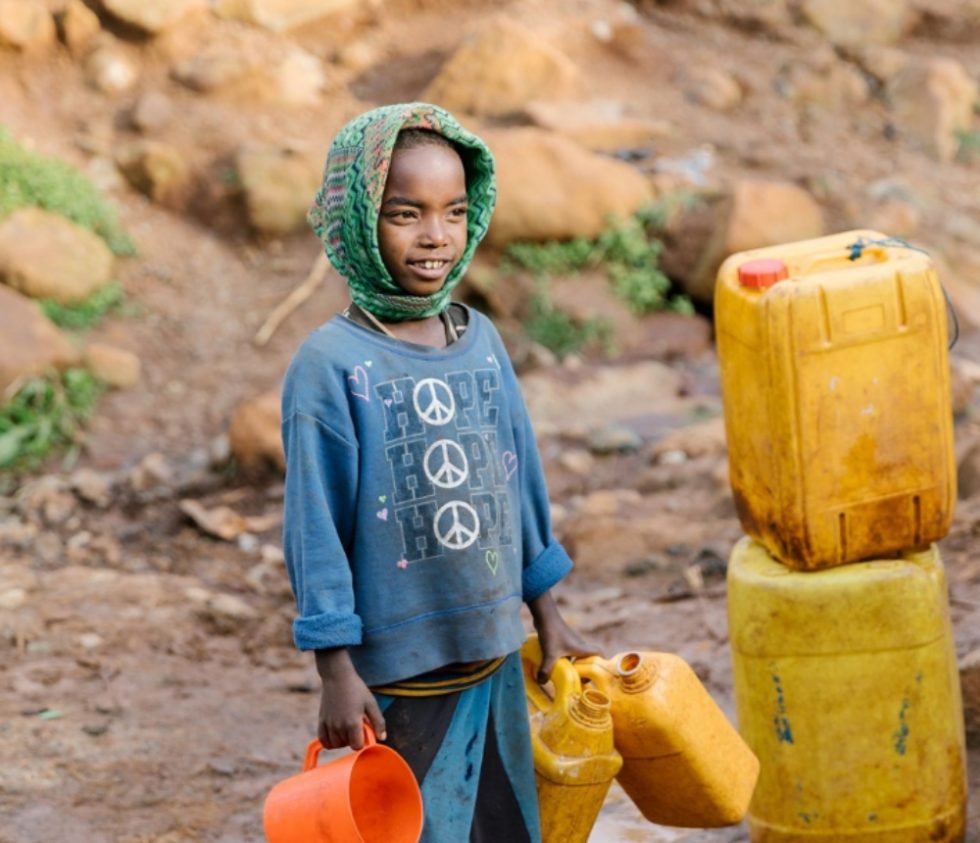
417,517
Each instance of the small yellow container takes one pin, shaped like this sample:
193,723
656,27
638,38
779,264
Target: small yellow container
846,688
835,380
574,757
684,764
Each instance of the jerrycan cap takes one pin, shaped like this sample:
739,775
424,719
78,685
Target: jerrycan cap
762,272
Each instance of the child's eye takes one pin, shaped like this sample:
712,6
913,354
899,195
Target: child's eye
459,212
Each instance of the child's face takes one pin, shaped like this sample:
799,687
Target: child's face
422,225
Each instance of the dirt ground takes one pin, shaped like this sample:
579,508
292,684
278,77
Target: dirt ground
149,692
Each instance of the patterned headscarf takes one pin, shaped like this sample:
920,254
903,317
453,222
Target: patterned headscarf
345,210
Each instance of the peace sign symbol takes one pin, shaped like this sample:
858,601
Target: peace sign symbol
434,401
459,528
451,467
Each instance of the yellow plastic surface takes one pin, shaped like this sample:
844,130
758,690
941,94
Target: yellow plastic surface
847,690
684,764
837,401
574,757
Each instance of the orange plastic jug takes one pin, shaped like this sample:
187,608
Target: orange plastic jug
684,764
574,757
846,688
367,796
835,381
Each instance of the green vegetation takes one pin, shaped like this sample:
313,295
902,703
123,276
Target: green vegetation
46,413
28,179
81,315
557,331
969,144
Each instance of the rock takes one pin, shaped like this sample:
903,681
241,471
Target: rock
753,215
46,500
578,461
847,23
157,170
46,256
970,684
282,15
968,473
109,69
500,69
153,111
597,124
256,438
77,26
94,487
277,185
882,63
705,438
117,367
711,87
358,56
154,16
932,100
29,343
25,25
227,614
549,188
823,80
153,471
614,439
622,32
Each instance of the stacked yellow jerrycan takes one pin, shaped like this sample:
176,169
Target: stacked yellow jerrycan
835,384
575,760
684,764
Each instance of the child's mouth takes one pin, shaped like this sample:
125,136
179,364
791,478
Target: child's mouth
429,269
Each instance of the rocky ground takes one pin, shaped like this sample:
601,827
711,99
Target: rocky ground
149,688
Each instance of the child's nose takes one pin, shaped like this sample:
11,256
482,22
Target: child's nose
434,231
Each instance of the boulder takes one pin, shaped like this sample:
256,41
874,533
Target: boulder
278,186
282,15
109,69
752,215
500,69
154,16
823,80
46,256
157,170
78,26
847,23
550,188
597,124
931,101
711,87
25,25
255,433
117,367
29,343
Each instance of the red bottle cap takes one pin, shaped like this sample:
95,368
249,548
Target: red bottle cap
761,273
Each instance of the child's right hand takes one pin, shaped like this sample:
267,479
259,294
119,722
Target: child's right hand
344,702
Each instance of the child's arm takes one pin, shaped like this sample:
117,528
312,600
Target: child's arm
557,638
344,702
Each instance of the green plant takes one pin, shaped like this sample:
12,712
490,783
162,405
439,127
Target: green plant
554,257
558,332
46,413
28,179
657,214
79,316
969,147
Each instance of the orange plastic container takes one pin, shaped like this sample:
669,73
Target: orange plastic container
575,760
684,764
835,380
367,796
846,688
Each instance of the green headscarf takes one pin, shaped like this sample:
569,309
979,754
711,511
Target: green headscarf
345,210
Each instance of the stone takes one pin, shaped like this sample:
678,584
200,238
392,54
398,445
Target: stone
550,188
968,473
577,461
500,69
153,111
969,667
823,80
847,23
94,487
109,69
227,614
705,438
46,500
154,16
29,343
597,124
46,256
157,170
78,26
116,366
278,185
754,214
255,433
711,87
153,471
614,439
25,25
282,15
931,101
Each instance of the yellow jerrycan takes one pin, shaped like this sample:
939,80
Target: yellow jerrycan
684,764
574,757
835,383
846,688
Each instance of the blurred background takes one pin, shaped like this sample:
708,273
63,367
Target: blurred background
157,158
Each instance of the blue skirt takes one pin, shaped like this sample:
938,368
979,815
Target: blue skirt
471,752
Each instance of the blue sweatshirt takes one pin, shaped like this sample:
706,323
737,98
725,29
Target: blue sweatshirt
416,512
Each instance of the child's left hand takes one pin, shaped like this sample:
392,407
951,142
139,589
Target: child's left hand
558,640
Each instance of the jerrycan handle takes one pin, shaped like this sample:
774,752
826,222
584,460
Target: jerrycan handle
843,258
565,678
315,747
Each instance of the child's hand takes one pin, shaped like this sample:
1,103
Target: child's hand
344,702
558,640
